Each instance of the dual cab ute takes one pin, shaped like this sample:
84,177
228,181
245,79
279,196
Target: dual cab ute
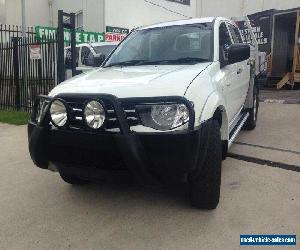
166,105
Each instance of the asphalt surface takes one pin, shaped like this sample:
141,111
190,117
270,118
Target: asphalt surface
276,136
280,96
39,211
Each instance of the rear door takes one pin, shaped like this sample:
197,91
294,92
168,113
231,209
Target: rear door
243,69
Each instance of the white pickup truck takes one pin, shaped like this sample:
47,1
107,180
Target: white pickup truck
166,105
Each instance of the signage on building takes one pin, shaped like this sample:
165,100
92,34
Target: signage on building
261,24
49,33
185,2
261,30
110,29
35,52
115,34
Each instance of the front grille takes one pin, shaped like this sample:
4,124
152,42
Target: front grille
76,116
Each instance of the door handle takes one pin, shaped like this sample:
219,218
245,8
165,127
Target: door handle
239,71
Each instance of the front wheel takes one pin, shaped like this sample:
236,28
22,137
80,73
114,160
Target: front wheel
205,187
250,124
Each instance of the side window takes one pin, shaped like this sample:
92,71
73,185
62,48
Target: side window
85,51
68,58
224,40
236,36
90,60
77,55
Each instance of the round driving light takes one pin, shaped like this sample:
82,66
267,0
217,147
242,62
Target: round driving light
58,112
94,114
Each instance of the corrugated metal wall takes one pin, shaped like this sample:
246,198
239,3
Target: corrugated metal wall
283,43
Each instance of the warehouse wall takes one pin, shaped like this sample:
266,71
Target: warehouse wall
231,8
37,12
42,12
132,13
2,11
226,8
93,16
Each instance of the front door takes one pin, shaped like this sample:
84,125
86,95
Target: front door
230,77
243,70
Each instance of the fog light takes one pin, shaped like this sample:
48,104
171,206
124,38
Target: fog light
58,113
94,114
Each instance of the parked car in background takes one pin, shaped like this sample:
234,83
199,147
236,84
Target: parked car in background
88,56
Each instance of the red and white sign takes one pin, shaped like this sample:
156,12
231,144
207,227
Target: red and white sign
35,52
114,37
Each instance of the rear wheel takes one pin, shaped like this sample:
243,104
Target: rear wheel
205,187
250,124
74,180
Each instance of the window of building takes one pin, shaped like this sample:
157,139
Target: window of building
78,20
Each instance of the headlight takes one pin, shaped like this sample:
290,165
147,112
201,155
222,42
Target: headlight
163,117
58,113
94,114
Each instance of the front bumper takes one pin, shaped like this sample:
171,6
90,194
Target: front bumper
151,157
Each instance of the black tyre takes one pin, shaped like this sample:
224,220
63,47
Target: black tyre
205,187
73,179
250,124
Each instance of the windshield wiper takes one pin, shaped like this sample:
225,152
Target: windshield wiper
188,60
146,62
126,63
175,61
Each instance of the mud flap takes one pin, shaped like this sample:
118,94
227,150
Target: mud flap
36,147
203,146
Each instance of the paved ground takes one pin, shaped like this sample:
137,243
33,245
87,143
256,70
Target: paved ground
276,137
280,96
39,211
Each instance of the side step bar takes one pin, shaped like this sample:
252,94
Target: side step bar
237,128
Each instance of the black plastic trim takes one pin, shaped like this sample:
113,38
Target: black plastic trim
129,143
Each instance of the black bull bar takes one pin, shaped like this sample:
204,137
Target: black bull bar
133,151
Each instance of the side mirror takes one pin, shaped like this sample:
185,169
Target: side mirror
98,60
238,52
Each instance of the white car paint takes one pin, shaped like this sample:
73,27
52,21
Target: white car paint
135,81
205,84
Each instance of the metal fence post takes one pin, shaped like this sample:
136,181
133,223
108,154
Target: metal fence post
16,72
73,43
61,69
60,49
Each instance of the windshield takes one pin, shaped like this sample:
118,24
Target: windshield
184,44
104,49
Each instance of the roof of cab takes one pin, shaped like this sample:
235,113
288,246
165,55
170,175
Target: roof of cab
96,44
180,22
